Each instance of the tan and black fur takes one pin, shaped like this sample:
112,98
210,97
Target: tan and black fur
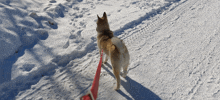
113,47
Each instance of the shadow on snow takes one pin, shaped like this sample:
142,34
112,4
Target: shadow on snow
135,89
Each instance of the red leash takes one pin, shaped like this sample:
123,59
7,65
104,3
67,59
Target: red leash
95,85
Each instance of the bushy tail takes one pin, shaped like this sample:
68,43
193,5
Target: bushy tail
119,44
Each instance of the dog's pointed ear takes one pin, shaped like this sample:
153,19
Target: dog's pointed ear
98,17
104,15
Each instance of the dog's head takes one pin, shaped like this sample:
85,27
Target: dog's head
102,23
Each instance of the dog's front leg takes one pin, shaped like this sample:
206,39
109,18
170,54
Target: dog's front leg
106,59
100,54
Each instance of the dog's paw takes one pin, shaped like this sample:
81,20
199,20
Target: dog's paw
116,88
105,62
124,74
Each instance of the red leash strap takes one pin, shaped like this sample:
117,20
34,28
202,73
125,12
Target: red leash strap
95,85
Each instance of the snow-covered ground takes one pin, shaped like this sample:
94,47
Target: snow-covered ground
48,49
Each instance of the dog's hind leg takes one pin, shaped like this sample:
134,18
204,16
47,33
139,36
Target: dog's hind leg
125,71
116,72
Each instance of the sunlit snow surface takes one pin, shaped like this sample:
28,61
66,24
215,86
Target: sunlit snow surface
48,49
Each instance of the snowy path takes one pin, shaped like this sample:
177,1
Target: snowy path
176,57
179,58
174,53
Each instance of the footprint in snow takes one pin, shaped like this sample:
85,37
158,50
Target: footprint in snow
44,22
66,45
27,67
43,34
52,1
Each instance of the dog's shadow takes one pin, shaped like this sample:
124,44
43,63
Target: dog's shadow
135,89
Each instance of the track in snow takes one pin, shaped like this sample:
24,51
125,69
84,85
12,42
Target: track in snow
155,23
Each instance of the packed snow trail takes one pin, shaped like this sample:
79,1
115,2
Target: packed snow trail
177,58
174,56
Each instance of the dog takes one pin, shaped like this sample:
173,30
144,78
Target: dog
113,47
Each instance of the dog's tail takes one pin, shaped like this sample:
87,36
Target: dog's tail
119,44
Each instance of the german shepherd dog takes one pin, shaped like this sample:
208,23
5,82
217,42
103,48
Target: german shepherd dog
113,47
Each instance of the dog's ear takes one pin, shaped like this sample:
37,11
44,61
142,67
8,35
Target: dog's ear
98,17
104,15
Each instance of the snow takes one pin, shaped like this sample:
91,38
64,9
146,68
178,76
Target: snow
49,49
